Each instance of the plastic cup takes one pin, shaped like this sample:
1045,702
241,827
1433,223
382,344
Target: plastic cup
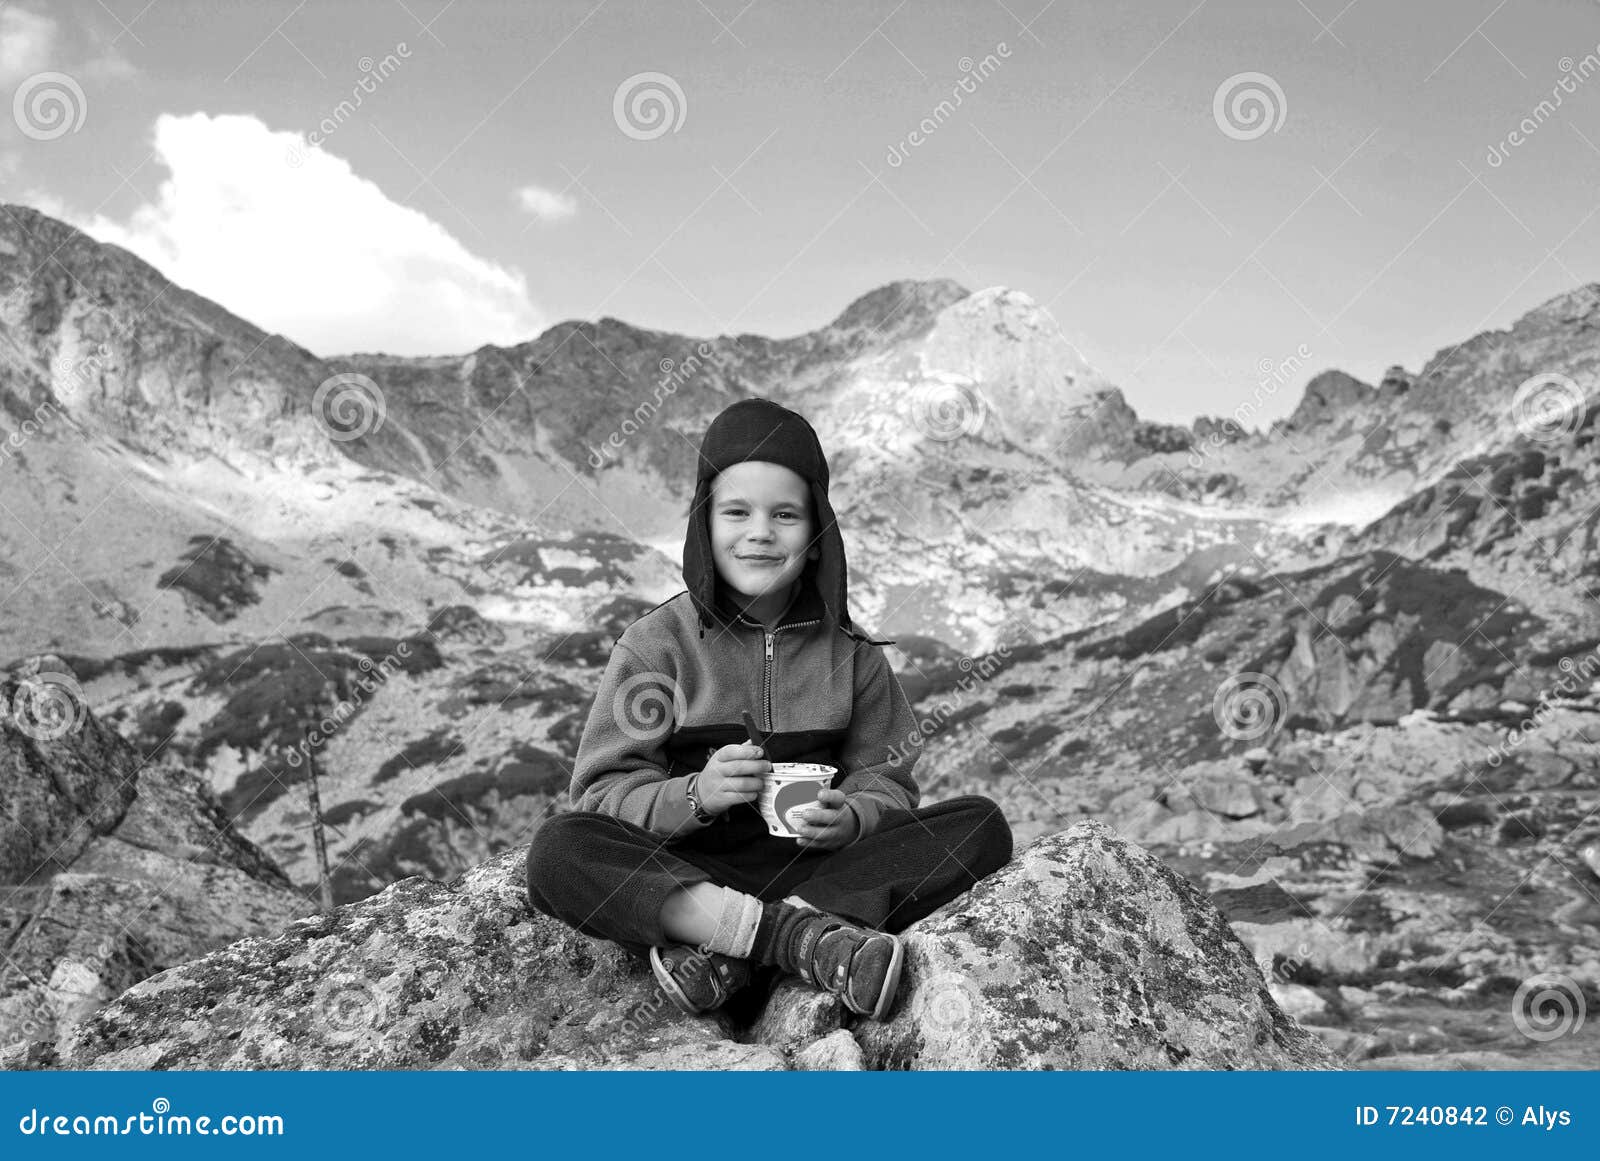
789,792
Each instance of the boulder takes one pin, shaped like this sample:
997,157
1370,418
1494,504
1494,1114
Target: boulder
111,868
1084,952
422,975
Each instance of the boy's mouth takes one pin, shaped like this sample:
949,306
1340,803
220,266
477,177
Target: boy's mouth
762,559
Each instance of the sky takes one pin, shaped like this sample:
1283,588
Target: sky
1195,191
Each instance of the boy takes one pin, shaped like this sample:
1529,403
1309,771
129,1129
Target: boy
667,852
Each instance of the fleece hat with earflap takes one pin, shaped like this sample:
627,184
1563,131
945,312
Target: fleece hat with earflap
759,429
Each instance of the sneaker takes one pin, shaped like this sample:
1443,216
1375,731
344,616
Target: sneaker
697,981
859,965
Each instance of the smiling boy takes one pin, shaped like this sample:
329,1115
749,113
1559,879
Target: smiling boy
667,853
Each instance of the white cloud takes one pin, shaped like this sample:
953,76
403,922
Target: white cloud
289,237
546,205
26,43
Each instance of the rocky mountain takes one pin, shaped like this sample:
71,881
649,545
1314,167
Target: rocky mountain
1337,673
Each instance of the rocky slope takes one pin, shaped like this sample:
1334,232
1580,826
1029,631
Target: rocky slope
1382,773
111,868
1084,952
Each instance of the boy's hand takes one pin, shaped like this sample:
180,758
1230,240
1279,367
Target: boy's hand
732,775
830,824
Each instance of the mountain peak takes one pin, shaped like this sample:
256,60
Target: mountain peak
892,305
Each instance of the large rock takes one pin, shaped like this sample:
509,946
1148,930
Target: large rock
1085,952
110,869
421,975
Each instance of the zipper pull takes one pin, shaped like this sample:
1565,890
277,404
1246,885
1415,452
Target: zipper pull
769,646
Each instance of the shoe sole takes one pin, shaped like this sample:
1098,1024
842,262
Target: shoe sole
891,981
670,986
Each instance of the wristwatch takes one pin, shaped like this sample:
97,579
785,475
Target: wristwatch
701,814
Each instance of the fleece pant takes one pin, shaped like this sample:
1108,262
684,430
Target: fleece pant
609,878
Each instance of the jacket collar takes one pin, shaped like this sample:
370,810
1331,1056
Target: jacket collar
805,605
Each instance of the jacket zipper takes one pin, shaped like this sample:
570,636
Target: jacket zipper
766,668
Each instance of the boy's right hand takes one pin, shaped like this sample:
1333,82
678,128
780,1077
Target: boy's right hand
733,774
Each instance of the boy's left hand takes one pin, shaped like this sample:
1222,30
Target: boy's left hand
830,824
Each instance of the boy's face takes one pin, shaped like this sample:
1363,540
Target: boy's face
761,527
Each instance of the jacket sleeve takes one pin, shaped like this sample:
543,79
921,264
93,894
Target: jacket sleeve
621,767
883,744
